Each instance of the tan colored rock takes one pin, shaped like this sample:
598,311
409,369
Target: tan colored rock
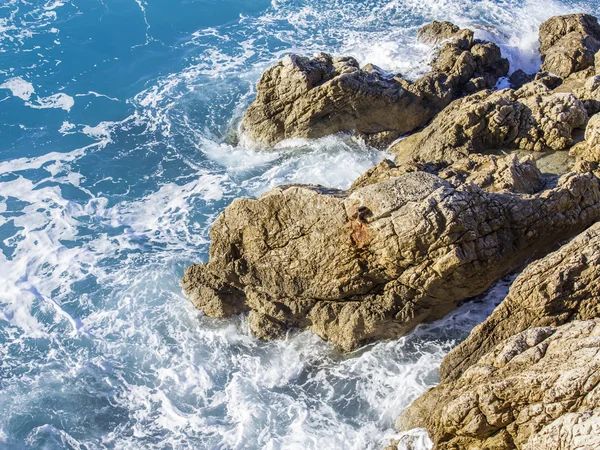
374,263
530,118
563,286
587,152
435,32
538,389
569,43
491,173
314,97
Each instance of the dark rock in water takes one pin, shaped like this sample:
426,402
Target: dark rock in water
569,43
528,376
374,263
518,78
314,97
530,118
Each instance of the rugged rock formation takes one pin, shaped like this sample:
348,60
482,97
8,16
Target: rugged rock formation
435,32
314,97
528,376
538,389
530,118
375,263
561,287
568,43
491,173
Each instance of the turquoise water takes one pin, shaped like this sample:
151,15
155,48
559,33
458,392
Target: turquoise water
117,151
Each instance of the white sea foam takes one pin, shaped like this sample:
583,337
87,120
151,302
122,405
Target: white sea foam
102,348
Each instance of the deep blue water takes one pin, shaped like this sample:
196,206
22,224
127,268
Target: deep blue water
117,151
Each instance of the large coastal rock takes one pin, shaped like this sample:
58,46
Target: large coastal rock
531,368
374,263
569,43
563,286
313,97
538,389
530,118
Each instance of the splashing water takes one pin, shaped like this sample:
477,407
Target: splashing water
115,158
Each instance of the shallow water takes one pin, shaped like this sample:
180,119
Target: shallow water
116,155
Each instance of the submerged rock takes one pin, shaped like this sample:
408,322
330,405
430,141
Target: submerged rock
569,43
313,97
374,263
530,118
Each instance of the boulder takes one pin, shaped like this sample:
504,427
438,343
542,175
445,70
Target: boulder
530,118
537,389
435,32
569,43
373,263
587,153
303,97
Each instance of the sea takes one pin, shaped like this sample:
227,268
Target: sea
118,149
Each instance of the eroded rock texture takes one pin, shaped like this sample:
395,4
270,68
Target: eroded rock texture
375,263
537,389
563,286
530,118
527,377
314,97
569,43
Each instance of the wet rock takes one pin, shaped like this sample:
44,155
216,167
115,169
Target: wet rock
569,43
530,118
372,264
519,77
314,97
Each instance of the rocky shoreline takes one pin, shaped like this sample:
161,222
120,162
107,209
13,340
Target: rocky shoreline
489,182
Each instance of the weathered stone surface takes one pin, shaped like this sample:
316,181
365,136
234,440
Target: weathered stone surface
435,32
491,173
589,93
538,389
563,286
569,43
587,152
530,118
314,97
374,263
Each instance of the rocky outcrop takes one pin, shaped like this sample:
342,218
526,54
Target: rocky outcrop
491,173
435,32
538,389
569,43
531,368
561,287
374,263
530,118
314,97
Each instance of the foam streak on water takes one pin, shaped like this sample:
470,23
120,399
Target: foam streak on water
117,154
